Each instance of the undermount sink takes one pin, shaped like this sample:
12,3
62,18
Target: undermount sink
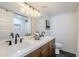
15,47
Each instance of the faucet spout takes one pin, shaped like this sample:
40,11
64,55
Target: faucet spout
16,37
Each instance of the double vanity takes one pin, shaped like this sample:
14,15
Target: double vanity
45,47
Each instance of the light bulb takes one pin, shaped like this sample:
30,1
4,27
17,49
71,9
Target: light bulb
22,10
31,11
35,13
27,10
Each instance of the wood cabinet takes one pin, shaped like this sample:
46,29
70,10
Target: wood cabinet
52,48
44,51
36,53
48,50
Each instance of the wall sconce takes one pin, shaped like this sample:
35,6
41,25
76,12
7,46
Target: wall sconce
47,24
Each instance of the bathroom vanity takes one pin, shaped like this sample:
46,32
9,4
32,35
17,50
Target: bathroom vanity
45,47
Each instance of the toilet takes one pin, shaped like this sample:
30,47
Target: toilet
58,47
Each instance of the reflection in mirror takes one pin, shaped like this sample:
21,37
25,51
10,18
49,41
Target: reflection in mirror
22,25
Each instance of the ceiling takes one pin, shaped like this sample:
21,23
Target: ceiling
47,8
54,8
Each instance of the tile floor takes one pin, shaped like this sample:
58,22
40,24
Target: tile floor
65,54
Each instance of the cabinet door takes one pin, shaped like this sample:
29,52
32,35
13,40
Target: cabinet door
44,50
36,53
52,48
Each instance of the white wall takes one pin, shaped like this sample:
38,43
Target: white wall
77,53
6,23
64,28
39,24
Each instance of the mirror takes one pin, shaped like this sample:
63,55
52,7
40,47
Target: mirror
22,25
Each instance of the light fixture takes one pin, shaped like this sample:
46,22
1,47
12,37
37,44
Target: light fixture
29,10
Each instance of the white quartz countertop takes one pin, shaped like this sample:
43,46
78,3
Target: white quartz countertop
21,49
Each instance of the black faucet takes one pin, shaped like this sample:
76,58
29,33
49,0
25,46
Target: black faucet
16,36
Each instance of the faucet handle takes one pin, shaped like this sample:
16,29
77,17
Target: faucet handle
10,43
21,40
12,35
